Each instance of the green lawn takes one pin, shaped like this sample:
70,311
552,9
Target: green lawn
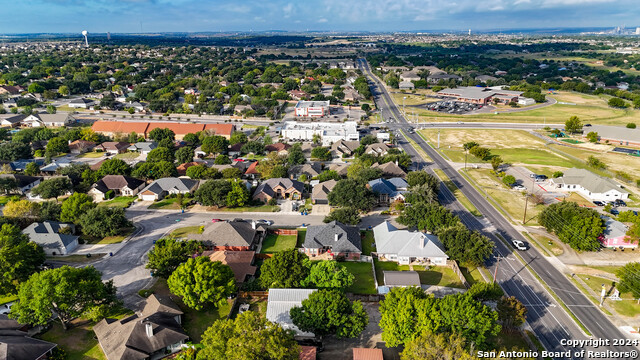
76,259
184,231
165,204
472,275
120,201
302,233
260,208
435,275
274,243
368,243
457,193
109,239
91,155
78,342
626,307
532,156
363,282
127,156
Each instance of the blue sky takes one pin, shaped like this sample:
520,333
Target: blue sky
32,16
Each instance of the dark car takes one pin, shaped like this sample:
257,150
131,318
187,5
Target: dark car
614,211
598,203
586,125
620,202
542,177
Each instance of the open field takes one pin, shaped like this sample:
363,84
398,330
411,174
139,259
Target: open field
550,245
577,59
274,243
413,99
510,200
614,161
626,307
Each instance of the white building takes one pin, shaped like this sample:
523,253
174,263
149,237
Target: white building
329,132
590,185
279,303
525,101
405,247
313,108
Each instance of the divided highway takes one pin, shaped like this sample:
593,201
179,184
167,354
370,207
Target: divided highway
551,324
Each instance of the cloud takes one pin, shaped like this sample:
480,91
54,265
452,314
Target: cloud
322,20
287,10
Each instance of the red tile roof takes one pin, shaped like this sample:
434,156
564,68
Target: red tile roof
277,147
120,127
146,127
252,169
182,168
177,128
307,353
367,354
220,129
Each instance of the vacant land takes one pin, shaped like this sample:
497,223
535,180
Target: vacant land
363,282
274,243
628,306
614,161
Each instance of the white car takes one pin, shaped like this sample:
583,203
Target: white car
519,187
266,222
520,245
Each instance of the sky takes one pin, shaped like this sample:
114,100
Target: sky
134,16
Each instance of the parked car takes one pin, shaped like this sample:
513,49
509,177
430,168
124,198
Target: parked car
533,175
520,245
266,222
620,202
598,203
543,177
216,220
519,187
586,125
614,211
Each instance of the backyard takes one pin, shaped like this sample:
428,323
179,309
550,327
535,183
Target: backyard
368,242
78,342
364,282
430,275
273,243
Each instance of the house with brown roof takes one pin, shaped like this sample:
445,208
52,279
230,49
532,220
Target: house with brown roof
10,90
113,147
390,169
298,95
240,262
252,172
121,185
152,334
377,149
280,148
81,146
235,235
367,354
111,128
235,150
311,170
341,169
220,129
182,168
344,148
15,344
160,188
320,192
279,188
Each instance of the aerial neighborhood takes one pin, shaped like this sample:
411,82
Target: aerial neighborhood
371,196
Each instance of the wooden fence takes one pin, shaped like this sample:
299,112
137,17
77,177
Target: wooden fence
253,294
285,231
454,266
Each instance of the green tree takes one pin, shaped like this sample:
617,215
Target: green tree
480,152
114,167
329,312
417,178
239,195
52,188
215,144
51,109
63,90
470,145
159,134
238,137
14,150
496,161
202,172
424,193
50,211
231,173
351,193
345,215
168,253
509,180
430,346
482,291
254,147
57,145
65,292
36,88
296,156
21,209
213,193
184,155
75,206
405,313
428,216
328,175
467,247
629,280
222,160
577,226
593,136
617,103
248,336
511,312
32,169
368,140
19,258
285,269
321,153
160,154
573,125
103,221
329,274
596,163
8,184
557,174
267,140
201,282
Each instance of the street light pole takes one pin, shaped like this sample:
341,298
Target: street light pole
403,113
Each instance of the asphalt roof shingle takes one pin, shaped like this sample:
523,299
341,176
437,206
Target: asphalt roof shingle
348,237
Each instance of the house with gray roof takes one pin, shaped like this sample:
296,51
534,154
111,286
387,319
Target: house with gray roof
23,183
377,149
279,188
280,302
320,192
152,334
590,185
344,148
16,344
334,239
55,238
120,185
389,190
160,188
47,120
143,147
235,235
406,247
617,135
406,85
11,120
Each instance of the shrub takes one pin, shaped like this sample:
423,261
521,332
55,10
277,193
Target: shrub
631,126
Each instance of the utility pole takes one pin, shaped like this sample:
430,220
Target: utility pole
403,113
495,273
465,161
438,138
603,294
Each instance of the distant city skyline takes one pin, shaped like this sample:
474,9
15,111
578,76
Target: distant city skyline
133,16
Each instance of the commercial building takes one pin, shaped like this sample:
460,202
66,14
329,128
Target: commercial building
481,95
329,132
590,185
616,134
143,129
313,108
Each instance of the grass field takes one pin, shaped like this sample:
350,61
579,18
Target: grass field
127,156
577,198
274,243
472,275
120,201
78,342
550,245
626,307
363,282
368,243
184,231
614,161
457,193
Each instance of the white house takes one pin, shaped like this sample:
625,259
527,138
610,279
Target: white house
406,247
279,303
80,103
47,120
590,185
329,132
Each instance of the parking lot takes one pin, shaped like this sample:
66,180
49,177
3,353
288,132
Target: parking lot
451,107
524,178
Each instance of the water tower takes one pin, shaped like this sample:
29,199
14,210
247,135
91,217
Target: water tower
86,42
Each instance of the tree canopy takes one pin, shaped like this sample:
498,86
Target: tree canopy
202,282
329,274
19,258
345,215
103,221
168,253
577,226
75,206
285,269
52,188
351,193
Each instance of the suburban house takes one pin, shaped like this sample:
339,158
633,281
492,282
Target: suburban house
590,185
311,170
615,235
280,148
240,262
113,147
233,151
10,90
251,171
143,147
367,354
617,135
12,120
54,165
182,168
406,247
334,239
80,103
21,164
401,278
341,169
320,192
344,148
298,94
377,149
24,183
152,334
280,301
54,237
389,190
16,344
390,169
279,188
235,235
121,185
81,146
160,188
406,85
47,120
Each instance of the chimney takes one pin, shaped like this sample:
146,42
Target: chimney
423,239
148,328
253,224
335,237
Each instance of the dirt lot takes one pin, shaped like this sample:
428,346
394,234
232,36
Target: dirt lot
371,337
